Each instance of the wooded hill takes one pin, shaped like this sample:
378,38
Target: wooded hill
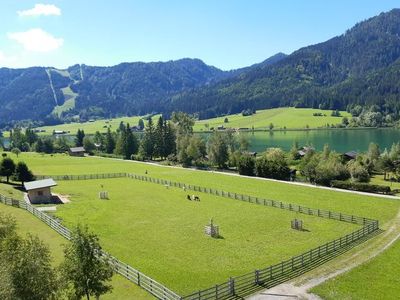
361,66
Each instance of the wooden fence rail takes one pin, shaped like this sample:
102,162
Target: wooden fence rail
242,197
155,288
266,277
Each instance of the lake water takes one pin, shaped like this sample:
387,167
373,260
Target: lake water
341,140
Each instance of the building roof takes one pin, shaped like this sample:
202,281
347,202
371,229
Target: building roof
39,184
77,149
351,154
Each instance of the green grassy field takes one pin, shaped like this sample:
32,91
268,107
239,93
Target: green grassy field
92,127
124,227
368,206
27,223
159,232
292,118
376,279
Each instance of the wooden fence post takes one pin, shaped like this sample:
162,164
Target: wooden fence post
232,286
257,277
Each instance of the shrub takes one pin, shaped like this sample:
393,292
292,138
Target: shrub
361,187
246,165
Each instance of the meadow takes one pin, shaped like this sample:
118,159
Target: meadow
29,224
289,117
367,206
161,233
91,127
375,279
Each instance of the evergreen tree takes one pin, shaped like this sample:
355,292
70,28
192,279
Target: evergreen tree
159,138
22,173
147,143
169,139
141,124
131,145
109,142
7,168
120,144
79,138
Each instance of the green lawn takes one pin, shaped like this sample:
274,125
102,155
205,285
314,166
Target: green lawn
27,223
292,118
367,206
375,279
145,224
158,231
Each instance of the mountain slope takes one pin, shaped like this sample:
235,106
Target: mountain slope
325,75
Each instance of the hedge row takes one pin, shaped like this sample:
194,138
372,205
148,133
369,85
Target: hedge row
361,187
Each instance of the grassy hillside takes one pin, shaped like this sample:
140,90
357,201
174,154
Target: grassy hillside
27,223
92,127
376,279
289,117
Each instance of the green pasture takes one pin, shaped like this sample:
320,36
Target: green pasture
27,223
92,127
375,279
158,231
368,206
289,117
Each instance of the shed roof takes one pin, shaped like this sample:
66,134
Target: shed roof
39,184
351,154
77,149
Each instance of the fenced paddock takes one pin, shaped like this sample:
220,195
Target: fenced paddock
130,273
261,278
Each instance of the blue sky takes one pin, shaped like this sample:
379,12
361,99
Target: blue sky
225,33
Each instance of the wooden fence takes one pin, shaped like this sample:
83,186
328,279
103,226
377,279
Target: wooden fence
261,278
242,197
156,289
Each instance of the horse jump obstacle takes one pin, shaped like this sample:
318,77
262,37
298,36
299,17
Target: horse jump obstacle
211,229
297,224
103,195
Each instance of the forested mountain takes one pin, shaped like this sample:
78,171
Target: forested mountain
128,88
362,66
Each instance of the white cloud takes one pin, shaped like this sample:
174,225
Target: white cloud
36,40
41,10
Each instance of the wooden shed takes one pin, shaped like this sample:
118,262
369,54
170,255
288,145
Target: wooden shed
77,151
40,191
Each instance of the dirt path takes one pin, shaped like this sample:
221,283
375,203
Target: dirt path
298,288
